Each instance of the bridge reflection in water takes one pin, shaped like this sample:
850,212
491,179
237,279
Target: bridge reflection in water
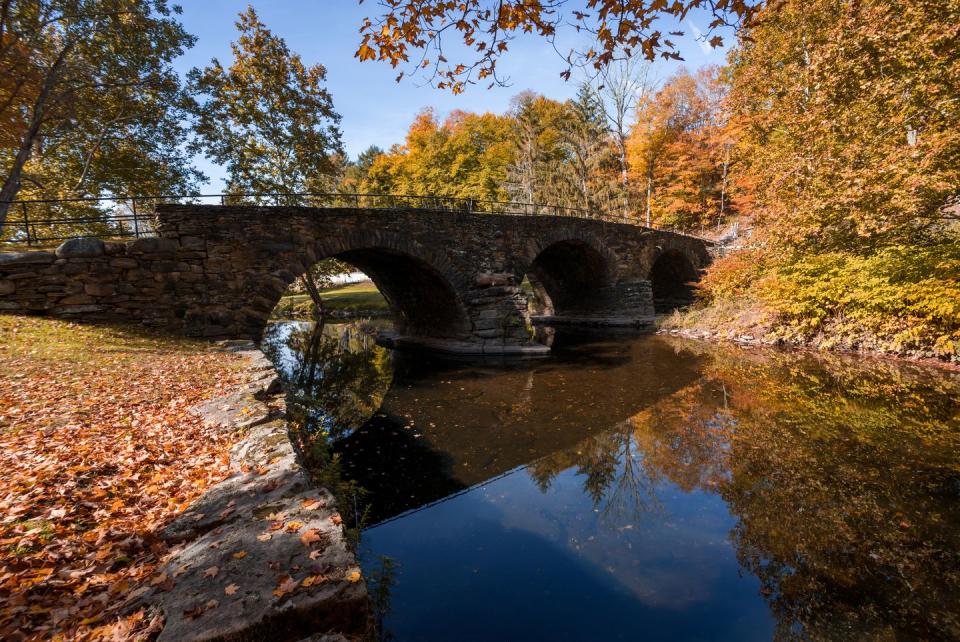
643,487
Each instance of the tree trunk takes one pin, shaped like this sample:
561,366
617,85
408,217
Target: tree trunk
11,184
314,291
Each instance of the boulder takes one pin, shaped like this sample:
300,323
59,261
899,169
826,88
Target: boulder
82,248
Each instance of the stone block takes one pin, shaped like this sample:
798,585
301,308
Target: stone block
164,266
22,276
124,263
7,287
17,259
152,246
192,243
99,289
87,247
77,299
72,268
78,309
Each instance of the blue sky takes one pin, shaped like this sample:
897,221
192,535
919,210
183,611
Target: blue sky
376,110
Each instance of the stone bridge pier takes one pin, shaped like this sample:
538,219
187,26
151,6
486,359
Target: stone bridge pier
454,281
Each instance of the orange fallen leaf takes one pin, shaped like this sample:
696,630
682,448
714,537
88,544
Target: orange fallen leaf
314,579
239,555
310,536
353,576
336,519
293,527
262,537
312,504
231,589
211,572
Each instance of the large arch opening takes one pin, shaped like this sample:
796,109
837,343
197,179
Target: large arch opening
568,278
418,299
672,279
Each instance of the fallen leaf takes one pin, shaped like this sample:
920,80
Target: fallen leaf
310,536
211,572
286,585
264,537
239,555
231,589
353,576
336,519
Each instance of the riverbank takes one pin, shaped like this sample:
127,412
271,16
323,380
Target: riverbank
150,486
750,325
99,451
360,299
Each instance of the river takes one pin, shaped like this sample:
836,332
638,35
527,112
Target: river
637,488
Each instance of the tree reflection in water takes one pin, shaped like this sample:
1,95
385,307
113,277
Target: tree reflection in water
843,477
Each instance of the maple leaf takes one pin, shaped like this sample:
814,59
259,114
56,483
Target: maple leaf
286,585
211,572
239,555
310,536
336,519
230,589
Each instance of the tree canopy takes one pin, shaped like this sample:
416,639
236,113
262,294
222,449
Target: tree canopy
267,117
89,102
411,34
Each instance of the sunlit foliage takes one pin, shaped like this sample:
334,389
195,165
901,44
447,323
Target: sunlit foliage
89,101
411,34
267,117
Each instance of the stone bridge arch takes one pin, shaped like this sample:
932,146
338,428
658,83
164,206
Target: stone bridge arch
571,272
422,288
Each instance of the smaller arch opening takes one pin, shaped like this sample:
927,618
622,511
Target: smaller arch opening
672,279
568,278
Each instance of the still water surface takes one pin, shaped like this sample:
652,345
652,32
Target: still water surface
639,488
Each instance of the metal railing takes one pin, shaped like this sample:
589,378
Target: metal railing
40,221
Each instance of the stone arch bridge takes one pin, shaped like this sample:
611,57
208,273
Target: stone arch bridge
452,279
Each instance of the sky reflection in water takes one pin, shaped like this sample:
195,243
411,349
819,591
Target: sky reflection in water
643,488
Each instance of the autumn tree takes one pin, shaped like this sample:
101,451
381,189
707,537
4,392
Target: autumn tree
355,172
680,151
89,103
465,156
411,34
620,87
591,159
267,117
851,119
535,169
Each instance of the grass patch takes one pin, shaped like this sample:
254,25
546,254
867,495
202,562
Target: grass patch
352,299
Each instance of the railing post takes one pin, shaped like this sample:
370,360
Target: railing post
136,223
26,222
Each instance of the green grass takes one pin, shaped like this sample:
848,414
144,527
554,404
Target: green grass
355,298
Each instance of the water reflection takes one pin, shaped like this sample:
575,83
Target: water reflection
648,488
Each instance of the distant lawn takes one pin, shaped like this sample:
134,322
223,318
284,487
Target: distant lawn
356,298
